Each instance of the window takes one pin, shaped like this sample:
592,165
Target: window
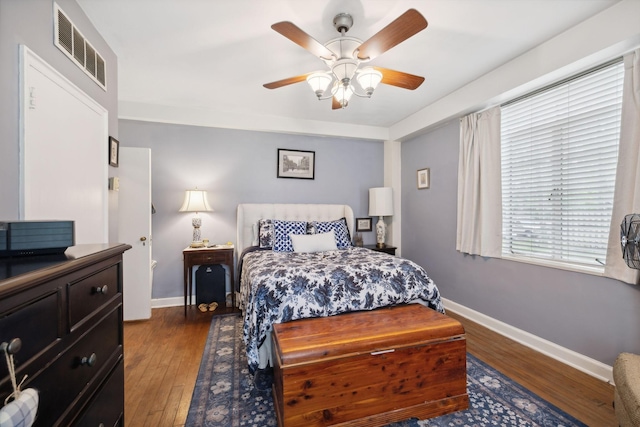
559,156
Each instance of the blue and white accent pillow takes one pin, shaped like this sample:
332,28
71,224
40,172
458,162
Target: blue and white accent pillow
339,227
265,233
282,229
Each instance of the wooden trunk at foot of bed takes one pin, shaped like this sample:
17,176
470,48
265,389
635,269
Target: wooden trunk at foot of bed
369,368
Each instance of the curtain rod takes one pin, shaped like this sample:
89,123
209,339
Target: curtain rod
563,81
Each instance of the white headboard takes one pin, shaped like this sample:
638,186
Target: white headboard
250,213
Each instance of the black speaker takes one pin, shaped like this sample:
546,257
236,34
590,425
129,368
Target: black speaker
211,285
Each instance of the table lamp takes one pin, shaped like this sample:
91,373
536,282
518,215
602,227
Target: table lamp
196,201
381,205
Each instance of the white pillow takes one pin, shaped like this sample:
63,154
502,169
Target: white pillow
256,236
314,242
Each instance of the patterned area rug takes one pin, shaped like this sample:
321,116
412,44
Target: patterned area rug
226,394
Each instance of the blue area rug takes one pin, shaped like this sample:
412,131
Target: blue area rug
226,395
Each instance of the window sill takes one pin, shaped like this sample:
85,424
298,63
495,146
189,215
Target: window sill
578,268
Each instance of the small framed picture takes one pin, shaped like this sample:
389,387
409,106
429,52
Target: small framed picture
296,164
114,151
363,224
423,178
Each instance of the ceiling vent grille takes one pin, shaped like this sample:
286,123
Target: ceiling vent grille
73,44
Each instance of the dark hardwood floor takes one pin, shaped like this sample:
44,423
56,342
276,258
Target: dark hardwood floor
162,357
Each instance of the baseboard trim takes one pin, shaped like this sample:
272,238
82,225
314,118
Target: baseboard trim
167,302
576,360
176,301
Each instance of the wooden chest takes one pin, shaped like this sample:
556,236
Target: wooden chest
369,368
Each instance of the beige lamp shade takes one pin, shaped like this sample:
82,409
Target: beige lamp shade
381,201
195,201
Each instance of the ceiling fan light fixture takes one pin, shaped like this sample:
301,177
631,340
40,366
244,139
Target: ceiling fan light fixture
344,55
319,82
343,94
344,70
369,78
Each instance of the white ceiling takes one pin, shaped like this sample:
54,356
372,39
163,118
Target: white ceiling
215,55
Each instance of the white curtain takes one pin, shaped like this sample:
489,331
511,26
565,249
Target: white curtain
479,218
627,193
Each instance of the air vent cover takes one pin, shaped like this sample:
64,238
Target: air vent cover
65,31
74,45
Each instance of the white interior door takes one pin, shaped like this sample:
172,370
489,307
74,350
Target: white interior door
63,152
134,228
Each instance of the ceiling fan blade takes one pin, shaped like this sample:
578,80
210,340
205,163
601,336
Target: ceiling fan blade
335,104
286,82
400,79
299,37
405,26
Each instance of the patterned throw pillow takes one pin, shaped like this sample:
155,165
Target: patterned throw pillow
281,231
265,233
339,227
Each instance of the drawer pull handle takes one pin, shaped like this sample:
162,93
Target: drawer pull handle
101,289
89,361
375,353
11,347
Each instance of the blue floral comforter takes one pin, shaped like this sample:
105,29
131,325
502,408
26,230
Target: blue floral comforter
278,287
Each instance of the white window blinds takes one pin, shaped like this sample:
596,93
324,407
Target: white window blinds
559,156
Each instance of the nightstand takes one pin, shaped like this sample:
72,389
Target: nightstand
387,249
222,254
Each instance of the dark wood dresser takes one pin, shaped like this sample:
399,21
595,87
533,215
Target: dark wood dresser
62,316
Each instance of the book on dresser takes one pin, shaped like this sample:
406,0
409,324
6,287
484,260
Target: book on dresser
61,319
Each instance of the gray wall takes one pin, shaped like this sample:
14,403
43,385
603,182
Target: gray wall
30,22
591,315
240,167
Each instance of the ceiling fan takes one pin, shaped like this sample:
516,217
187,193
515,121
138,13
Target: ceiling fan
344,56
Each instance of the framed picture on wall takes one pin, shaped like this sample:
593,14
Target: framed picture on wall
423,178
114,151
296,164
363,224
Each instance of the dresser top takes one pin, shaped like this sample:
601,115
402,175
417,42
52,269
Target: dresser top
12,268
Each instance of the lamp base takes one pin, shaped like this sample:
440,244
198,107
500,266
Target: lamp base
381,231
197,239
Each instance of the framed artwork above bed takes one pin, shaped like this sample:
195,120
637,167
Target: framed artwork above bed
296,164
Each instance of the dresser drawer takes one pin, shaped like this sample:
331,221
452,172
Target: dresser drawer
77,368
90,293
37,325
107,407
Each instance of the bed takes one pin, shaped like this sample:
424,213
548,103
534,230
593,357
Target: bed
277,286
